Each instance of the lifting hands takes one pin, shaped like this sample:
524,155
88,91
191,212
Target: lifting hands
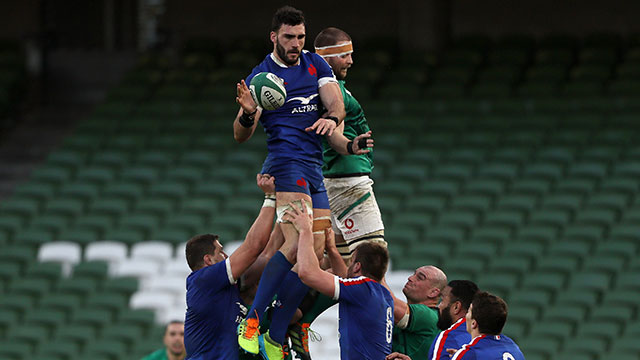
244,98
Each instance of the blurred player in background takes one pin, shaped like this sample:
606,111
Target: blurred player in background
366,307
416,321
295,159
485,319
214,307
355,216
173,340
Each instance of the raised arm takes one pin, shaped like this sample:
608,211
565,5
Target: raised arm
400,309
338,266
258,234
247,119
309,269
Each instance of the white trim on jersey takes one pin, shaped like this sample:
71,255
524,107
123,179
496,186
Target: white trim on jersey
439,339
232,281
325,80
280,63
336,289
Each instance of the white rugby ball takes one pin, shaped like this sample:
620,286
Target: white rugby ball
268,90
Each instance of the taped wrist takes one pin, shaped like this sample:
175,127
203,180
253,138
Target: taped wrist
247,120
335,119
350,147
269,201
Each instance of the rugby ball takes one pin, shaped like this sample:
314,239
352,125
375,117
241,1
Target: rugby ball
268,90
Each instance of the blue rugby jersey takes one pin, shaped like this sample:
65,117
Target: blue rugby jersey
214,310
286,138
366,318
489,347
452,338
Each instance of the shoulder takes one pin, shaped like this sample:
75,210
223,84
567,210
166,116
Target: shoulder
423,311
156,355
356,281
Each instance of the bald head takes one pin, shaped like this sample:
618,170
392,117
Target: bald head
425,286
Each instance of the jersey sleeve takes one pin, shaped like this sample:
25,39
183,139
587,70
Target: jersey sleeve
217,276
352,290
325,74
464,354
432,348
421,317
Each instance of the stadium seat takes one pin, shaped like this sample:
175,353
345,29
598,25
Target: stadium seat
113,252
65,252
77,286
142,269
153,250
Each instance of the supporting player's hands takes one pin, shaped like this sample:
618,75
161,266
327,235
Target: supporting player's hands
397,356
323,127
329,239
362,143
299,217
244,98
266,183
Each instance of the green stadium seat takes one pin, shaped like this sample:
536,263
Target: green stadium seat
614,201
592,233
8,319
606,330
558,263
478,203
95,317
94,175
570,248
544,170
142,318
495,234
608,264
585,345
113,159
463,268
67,207
463,218
156,206
143,175
19,254
577,186
545,281
571,315
200,206
552,328
597,216
594,281
543,234
15,349
97,223
529,250
50,271
60,349
77,286
121,286
584,298
544,348
35,288
550,216
66,303
24,207
37,190
78,334
536,187
619,314
624,232
453,171
509,264
111,349
508,218
32,334
439,187
186,174
500,284
51,319
52,222
626,346
111,302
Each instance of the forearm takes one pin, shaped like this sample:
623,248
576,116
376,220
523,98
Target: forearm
260,231
339,142
400,307
337,263
245,125
332,100
307,259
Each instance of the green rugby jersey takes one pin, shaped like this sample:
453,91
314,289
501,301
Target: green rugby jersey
355,123
157,355
415,340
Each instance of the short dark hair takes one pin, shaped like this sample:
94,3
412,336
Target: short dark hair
330,36
463,291
373,259
197,247
490,312
287,15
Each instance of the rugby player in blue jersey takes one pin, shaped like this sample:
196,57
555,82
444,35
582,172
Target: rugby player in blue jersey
365,305
313,108
214,308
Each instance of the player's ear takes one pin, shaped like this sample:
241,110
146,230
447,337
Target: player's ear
208,259
273,36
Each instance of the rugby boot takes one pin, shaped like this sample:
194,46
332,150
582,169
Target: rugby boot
269,349
299,335
248,335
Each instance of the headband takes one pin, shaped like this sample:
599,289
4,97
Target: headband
335,50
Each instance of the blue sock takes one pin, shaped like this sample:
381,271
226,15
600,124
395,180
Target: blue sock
270,281
290,296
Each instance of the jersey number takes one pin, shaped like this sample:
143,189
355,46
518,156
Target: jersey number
389,324
507,356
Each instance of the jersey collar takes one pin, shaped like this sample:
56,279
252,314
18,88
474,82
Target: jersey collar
283,65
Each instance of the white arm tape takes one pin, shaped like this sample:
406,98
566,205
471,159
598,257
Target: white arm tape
404,322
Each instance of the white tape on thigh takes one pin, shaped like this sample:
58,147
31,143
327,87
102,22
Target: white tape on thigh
280,210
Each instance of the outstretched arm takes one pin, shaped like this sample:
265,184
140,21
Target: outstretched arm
247,119
309,269
258,234
358,146
400,309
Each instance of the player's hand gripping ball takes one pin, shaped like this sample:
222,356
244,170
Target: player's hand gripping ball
268,90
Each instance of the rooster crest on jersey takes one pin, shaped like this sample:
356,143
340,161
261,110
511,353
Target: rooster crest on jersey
268,90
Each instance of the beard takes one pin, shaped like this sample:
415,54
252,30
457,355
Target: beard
444,319
282,54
